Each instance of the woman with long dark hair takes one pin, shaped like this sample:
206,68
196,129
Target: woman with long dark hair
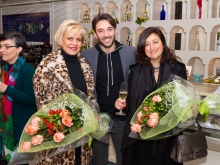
155,61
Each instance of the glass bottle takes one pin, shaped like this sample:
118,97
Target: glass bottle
88,43
130,16
86,17
126,14
114,17
122,19
162,13
84,44
218,42
197,43
145,16
99,11
128,40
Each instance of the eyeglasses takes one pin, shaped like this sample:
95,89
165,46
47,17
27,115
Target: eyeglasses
6,47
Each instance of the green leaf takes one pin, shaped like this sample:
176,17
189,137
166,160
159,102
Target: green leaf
116,20
42,132
89,143
68,108
139,20
42,125
73,128
43,116
48,138
58,122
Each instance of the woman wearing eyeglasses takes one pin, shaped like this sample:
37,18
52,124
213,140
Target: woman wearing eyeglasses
18,102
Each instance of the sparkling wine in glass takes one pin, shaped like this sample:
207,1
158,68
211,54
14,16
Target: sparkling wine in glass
123,95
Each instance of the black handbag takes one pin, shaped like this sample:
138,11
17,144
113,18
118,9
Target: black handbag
189,146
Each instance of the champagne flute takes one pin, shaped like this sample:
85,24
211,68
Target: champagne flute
123,95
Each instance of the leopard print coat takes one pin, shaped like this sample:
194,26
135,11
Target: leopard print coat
52,79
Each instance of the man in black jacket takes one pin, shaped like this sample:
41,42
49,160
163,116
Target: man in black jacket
110,62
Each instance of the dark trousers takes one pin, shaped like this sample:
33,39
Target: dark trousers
3,162
100,147
152,152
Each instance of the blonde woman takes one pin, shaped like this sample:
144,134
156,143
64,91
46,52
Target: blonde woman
59,72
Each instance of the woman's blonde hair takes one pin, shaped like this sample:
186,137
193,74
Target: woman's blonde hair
66,26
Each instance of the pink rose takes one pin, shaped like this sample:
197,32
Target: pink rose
58,137
154,116
35,120
31,129
139,115
64,113
25,146
152,122
156,98
67,121
36,140
146,109
136,128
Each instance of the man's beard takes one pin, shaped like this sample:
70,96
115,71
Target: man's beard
105,46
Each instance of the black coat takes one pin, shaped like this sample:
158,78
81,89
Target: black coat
141,82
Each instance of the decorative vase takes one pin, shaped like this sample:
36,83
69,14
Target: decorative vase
199,9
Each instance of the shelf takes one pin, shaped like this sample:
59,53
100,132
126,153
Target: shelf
204,61
140,5
84,7
95,10
122,10
111,7
203,89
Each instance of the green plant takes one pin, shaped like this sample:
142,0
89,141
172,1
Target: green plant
140,20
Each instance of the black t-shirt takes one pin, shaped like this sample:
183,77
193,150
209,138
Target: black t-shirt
108,80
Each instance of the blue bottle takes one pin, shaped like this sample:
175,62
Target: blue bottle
162,13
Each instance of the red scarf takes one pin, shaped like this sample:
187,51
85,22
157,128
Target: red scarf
7,101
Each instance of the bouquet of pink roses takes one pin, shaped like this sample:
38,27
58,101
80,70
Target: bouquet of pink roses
53,126
154,108
63,121
172,106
